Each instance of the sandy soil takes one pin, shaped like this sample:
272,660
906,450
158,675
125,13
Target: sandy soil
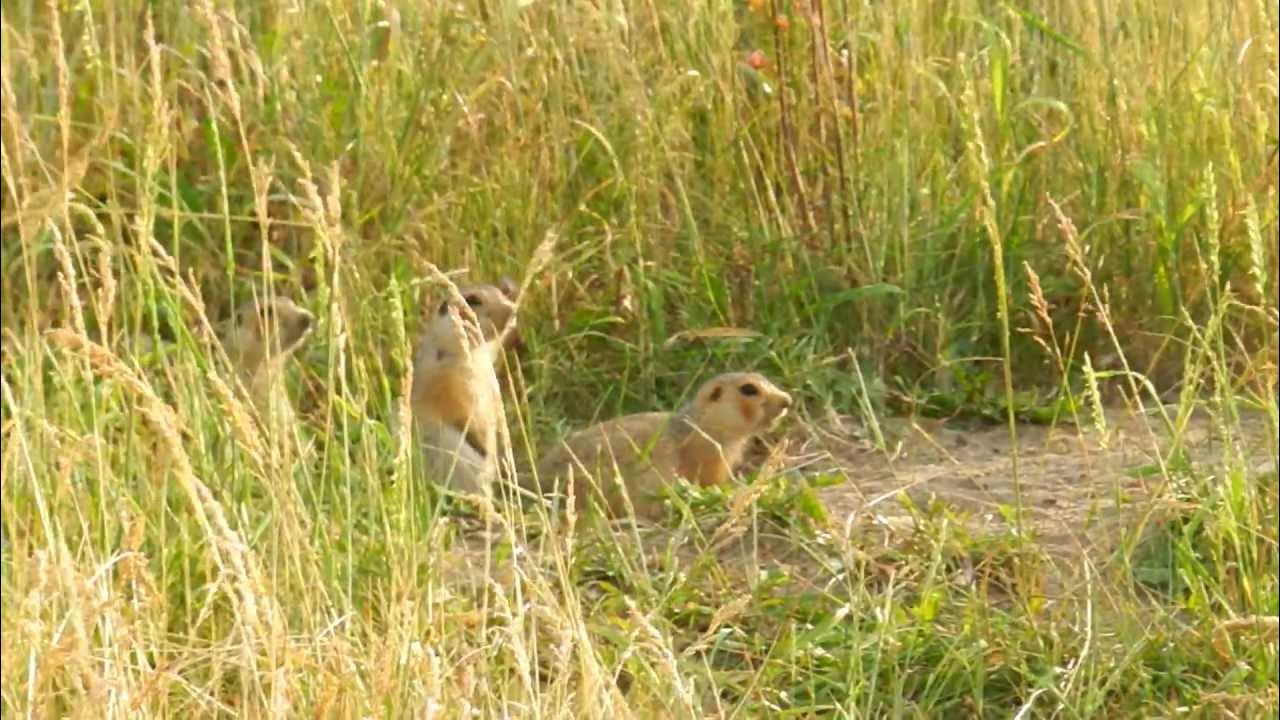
1076,483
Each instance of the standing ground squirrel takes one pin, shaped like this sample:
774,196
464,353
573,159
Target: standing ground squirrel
456,400
702,442
262,336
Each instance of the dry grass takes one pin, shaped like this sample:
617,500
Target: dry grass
899,212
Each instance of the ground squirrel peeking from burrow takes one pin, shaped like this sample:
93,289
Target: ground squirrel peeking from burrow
703,442
262,336
455,400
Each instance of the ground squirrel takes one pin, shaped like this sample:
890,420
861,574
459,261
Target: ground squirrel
703,442
262,336
455,399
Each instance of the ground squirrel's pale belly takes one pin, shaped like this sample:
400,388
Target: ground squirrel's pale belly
447,396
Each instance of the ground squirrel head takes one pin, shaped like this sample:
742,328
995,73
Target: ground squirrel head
734,406
494,307
266,329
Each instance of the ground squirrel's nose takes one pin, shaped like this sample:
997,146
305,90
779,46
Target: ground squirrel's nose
515,341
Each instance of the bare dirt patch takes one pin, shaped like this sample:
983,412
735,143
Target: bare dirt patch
1077,484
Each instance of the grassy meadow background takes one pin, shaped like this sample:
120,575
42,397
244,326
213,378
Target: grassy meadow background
989,210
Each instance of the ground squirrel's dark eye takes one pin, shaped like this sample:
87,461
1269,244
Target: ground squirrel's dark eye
472,300
749,390
444,307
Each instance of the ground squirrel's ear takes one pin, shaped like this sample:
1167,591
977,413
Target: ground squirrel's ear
508,287
715,394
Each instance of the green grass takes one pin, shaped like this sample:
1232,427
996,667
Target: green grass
996,210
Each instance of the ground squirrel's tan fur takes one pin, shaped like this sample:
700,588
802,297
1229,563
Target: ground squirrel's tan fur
703,443
456,401
263,335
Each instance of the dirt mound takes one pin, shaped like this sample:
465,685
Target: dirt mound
1076,483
